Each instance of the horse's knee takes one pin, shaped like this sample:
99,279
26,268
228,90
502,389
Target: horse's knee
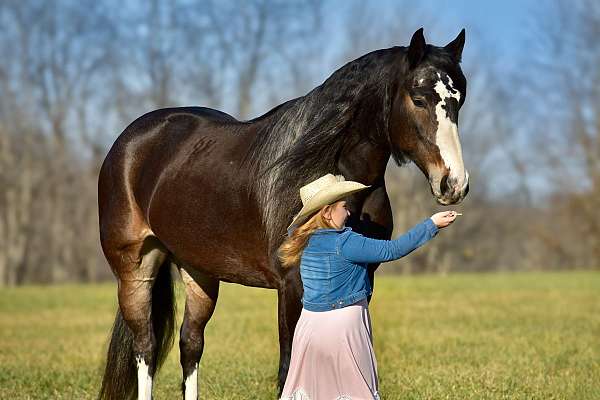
191,337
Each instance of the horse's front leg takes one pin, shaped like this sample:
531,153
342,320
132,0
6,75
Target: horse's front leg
375,220
289,309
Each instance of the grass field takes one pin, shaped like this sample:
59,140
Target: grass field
489,336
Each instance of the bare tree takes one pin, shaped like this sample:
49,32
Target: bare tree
51,60
74,73
568,137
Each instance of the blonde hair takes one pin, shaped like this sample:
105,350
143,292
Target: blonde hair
290,251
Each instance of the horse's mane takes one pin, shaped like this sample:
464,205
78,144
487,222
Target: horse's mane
301,139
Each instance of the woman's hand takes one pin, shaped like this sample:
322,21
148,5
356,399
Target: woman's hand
444,218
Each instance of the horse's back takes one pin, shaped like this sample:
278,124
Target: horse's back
206,113
183,118
149,138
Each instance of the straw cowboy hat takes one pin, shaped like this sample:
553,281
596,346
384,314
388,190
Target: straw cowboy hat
325,190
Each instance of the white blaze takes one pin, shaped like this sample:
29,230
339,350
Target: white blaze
446,137
191,385
144,380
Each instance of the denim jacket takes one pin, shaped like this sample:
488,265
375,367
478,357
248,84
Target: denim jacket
333,265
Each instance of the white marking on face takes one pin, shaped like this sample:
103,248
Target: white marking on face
447,133
191,385
421,81
144,380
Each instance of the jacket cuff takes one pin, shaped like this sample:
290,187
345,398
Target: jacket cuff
431,227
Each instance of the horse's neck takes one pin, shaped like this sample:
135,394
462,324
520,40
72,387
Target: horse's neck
359,159
364,162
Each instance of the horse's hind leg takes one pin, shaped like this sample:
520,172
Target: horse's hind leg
136,280
201,294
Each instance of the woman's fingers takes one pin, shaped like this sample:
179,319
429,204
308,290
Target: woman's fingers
451,216
444,218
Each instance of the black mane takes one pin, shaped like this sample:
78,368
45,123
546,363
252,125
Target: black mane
302,138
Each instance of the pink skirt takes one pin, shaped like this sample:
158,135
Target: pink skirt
332,356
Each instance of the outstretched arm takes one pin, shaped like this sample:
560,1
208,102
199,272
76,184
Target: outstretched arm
358,248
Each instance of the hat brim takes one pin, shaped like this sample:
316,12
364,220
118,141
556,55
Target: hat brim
327,196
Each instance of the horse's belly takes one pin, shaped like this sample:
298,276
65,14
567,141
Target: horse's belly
215,231
227,269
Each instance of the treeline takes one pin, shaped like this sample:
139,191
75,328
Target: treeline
74,74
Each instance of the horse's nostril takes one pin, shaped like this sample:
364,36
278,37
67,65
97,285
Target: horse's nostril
444,184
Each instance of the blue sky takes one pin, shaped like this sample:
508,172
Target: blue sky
498,24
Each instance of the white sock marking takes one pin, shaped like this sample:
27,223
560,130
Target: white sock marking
191,385
144,380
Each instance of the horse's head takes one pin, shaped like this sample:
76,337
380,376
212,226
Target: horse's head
424,115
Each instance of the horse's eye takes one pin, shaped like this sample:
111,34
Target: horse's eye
418,102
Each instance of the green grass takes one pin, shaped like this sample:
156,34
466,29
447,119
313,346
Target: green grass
496,336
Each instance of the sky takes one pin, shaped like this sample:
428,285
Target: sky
500,24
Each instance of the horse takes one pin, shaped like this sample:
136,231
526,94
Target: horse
195,188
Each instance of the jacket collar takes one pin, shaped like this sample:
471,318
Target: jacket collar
322,230
326,230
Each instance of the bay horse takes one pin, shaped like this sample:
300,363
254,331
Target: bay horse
194,187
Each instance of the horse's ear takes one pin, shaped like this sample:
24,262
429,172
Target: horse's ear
416,49
455,47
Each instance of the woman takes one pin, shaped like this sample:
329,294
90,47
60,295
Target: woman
332,350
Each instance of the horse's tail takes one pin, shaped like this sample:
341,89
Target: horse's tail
120,375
